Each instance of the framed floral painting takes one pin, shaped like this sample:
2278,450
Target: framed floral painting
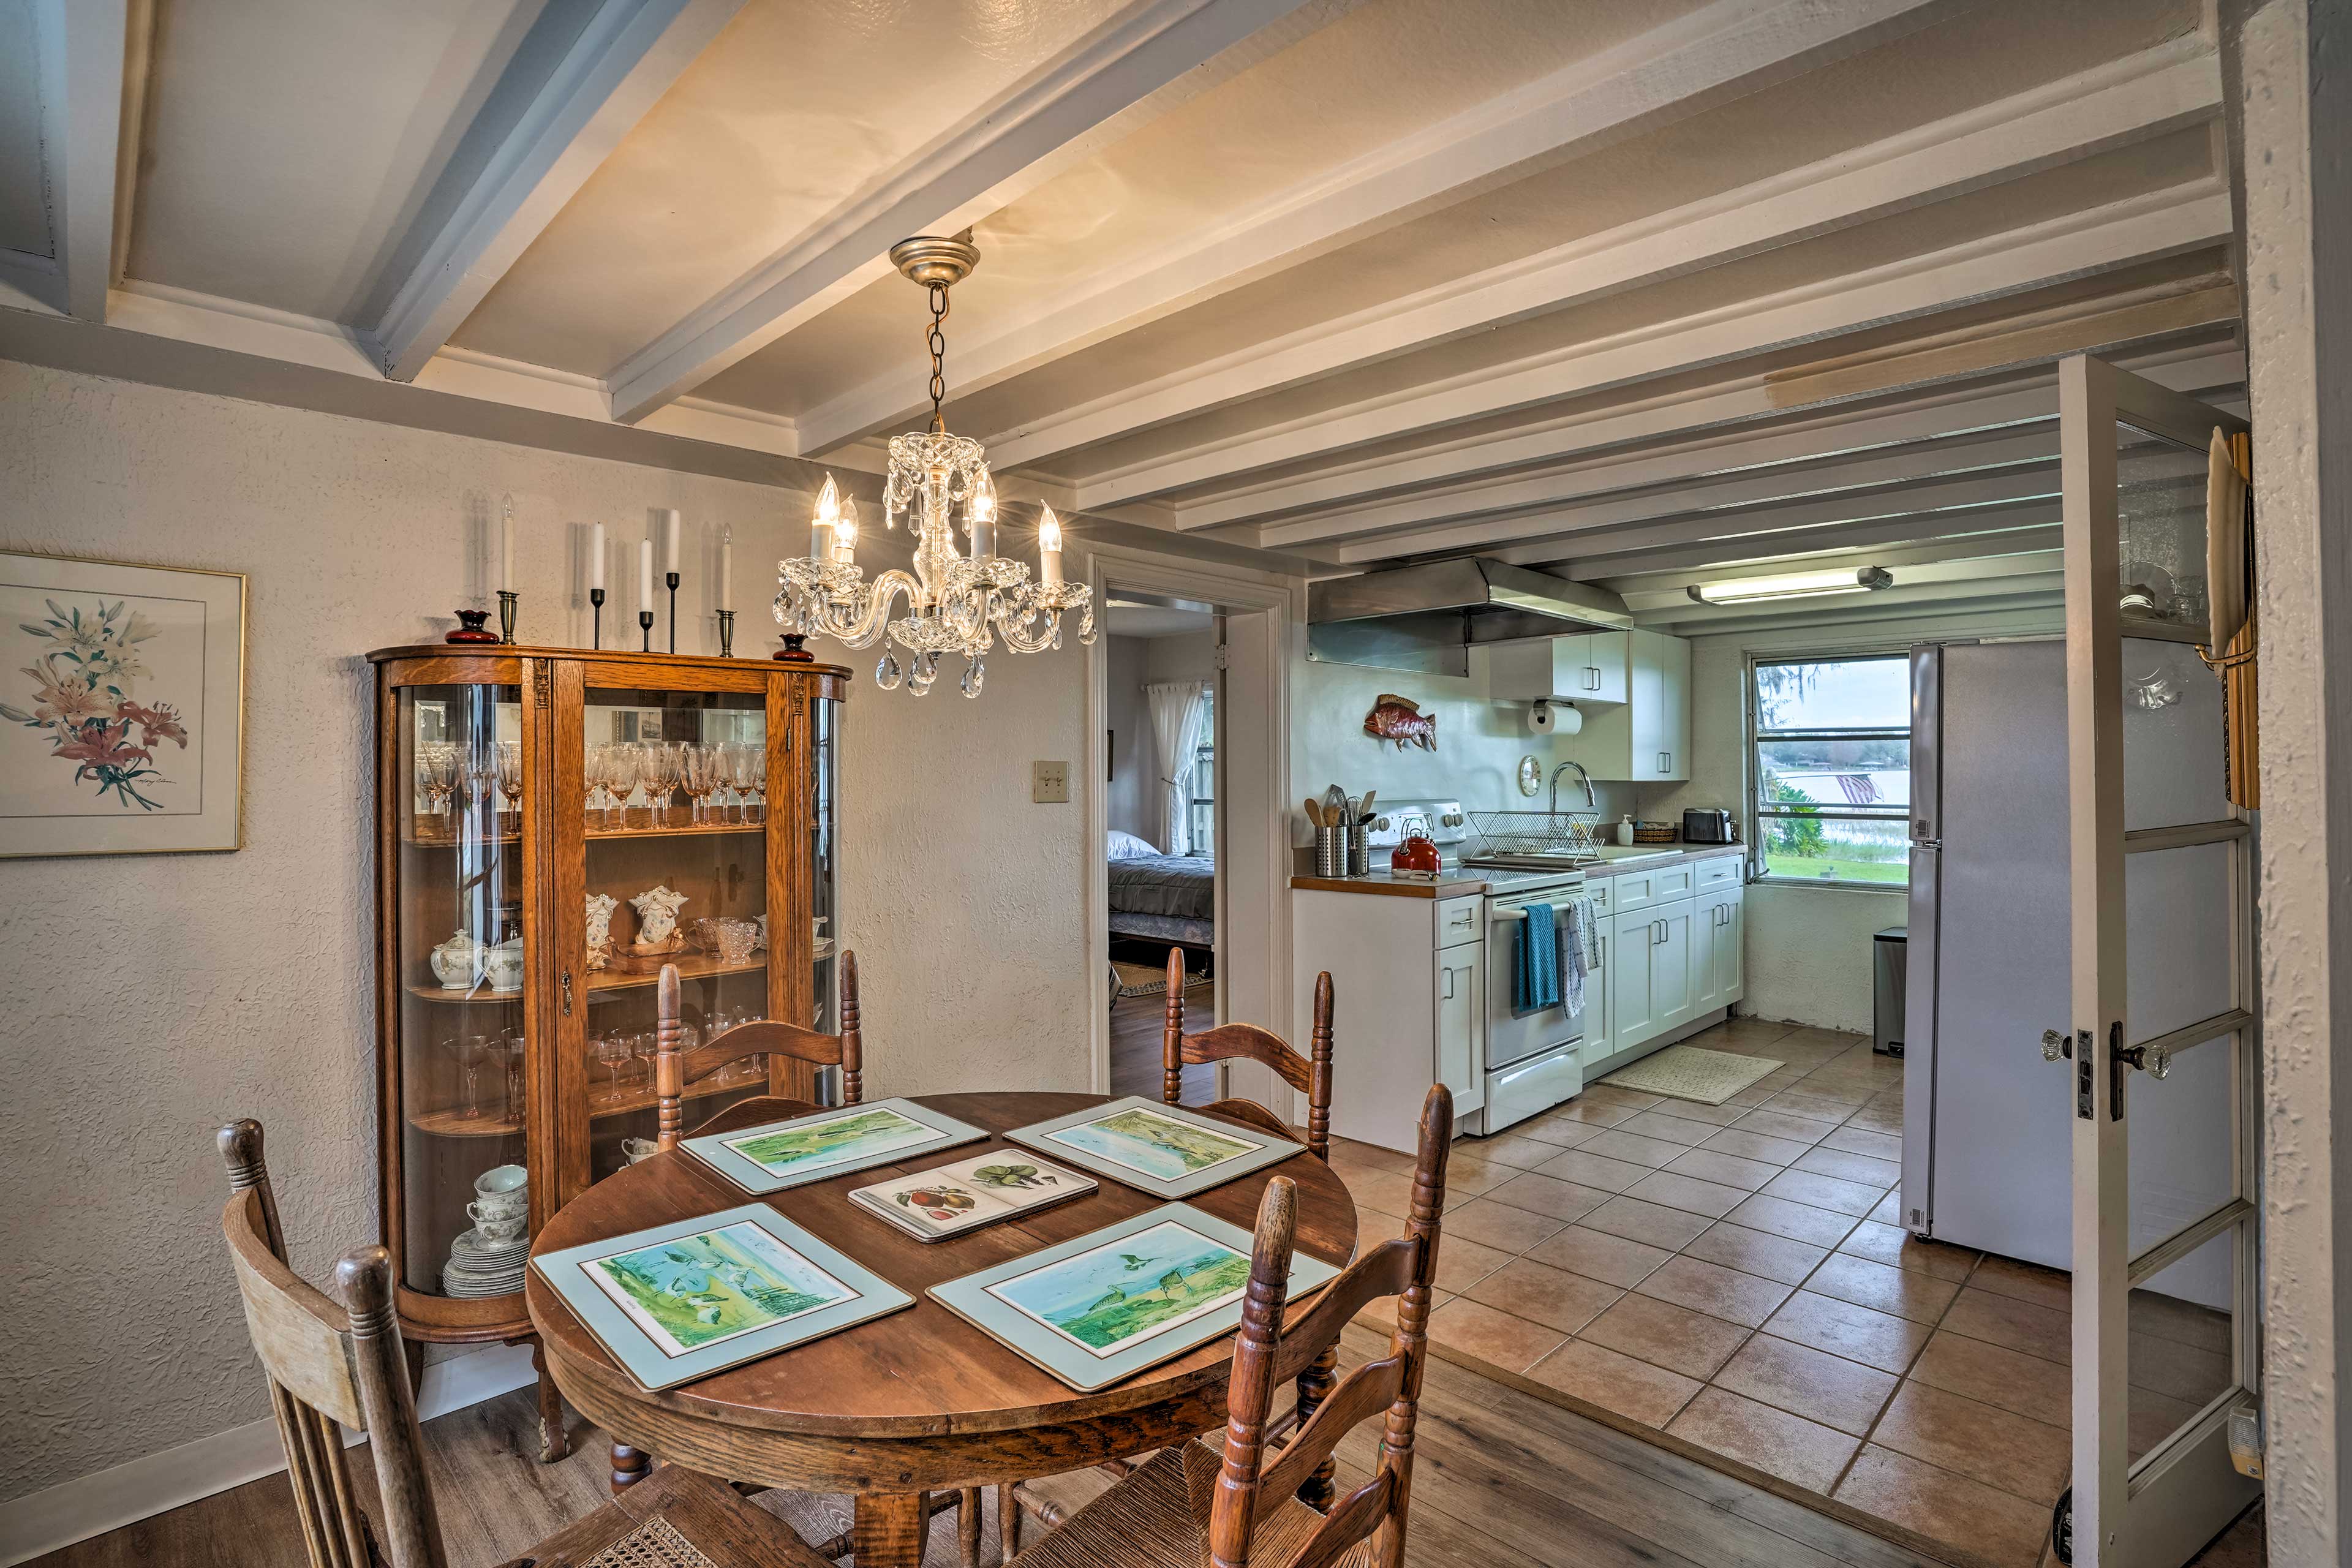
121,708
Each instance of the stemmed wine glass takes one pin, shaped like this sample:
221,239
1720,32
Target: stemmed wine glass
658,766
699,768
510,777
437,768
751,777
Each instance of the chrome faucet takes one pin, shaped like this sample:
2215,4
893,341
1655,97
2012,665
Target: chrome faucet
1590,801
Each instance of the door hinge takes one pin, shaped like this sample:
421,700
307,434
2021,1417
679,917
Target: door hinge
1222,657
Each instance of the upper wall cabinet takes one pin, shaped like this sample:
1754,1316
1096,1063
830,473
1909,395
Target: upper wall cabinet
1644,737
1589,666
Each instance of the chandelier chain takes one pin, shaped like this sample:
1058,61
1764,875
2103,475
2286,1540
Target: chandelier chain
938,341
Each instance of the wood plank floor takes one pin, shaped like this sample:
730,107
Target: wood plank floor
1502,1481
1136,1023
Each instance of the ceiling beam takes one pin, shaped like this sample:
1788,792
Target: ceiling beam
2141,228
86,49
1788,442
1748,487
1671,71
2115,104
557,114
1992,527
1001,151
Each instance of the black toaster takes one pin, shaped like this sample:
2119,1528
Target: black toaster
1709,826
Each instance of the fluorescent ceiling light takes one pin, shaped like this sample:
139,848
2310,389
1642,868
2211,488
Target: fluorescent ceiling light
1795,585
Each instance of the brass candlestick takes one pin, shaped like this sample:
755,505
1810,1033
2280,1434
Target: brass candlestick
506,615
726,634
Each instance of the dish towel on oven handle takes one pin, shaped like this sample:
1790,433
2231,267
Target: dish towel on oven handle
1535,961
1579,937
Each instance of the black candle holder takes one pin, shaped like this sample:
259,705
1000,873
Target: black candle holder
672,579
791,652
471,628
726,634
646,631
507,602
596,600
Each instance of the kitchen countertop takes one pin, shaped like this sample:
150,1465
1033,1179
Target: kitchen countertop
1461,881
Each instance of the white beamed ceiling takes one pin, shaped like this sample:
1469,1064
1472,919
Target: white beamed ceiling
1629,293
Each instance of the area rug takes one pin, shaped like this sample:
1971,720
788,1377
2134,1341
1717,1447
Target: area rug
1146,980
1689,1072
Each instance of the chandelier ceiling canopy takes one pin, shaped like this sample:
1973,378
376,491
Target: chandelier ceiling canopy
959,600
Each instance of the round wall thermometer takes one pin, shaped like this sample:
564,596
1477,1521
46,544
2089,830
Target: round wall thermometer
1530,775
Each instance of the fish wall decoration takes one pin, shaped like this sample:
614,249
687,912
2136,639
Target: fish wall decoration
1400,718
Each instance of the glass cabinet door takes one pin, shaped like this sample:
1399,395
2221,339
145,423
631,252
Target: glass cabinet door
673,813
824,879
458,933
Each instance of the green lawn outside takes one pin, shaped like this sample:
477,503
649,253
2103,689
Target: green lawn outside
1808,869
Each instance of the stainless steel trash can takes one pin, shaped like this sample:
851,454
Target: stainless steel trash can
1890,964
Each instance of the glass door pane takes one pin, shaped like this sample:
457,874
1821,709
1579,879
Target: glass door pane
460,950
674,808
824,908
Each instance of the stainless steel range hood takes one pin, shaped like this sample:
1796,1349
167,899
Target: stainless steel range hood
1427,617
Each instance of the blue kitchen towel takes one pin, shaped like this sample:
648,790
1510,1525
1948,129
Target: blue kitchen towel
1535,963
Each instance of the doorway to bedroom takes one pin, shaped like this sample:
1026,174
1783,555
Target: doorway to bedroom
1163,709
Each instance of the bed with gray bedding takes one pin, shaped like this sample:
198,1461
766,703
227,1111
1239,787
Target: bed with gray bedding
1165,897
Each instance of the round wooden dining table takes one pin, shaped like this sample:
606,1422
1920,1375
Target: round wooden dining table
920,1401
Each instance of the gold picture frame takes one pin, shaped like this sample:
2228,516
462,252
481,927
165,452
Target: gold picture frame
121,708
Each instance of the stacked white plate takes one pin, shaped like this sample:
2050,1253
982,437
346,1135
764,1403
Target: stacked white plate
480,1267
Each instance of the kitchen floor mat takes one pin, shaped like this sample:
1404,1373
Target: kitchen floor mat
1690,1072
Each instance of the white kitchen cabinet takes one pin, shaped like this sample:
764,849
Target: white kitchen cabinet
1461,992
1632,979
1718,933
1600,1018
1647,737
1588,667
1673,988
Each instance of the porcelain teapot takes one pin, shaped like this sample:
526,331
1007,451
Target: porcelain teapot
458,963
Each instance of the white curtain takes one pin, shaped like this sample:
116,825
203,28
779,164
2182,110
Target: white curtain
1176,709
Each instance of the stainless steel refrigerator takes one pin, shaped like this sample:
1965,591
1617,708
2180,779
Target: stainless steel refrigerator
1987,1148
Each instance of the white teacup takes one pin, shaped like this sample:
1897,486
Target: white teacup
502,1179
497,1227
636,1149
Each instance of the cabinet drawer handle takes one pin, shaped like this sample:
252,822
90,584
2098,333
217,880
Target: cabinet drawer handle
567,993
1448,994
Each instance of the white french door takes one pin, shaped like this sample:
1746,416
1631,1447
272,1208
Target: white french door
2159,1052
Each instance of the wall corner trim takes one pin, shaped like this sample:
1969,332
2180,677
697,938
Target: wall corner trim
45,1521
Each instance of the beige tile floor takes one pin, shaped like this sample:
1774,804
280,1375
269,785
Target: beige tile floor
1734,1274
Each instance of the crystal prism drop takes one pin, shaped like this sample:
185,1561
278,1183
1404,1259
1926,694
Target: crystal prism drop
973,674
886,672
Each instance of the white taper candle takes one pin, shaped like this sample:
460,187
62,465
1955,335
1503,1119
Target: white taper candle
596,557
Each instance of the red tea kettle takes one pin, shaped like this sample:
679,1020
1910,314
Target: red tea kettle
1417,856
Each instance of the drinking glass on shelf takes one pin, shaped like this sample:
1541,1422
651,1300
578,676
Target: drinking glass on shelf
618,769
592,781
481,781
512,1047
696,776
473,1062
437,767
509,776
658,770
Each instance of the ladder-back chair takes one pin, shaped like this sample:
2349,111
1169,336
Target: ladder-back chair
331,1364
1191,1507
676,1071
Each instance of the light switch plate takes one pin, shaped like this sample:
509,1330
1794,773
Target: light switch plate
1049,783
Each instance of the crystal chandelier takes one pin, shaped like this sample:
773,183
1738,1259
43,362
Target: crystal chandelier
957,602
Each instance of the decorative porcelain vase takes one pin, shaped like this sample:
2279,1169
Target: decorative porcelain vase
458,963
502,965
600,927
656,916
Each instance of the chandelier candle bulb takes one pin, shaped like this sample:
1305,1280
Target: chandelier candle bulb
845,533
1049,549
981,515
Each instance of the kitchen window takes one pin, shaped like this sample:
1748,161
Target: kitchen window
1204,777
1830,753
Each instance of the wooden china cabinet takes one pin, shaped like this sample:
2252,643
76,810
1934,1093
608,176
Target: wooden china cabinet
516,788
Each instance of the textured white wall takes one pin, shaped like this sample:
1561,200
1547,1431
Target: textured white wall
151,998
2296,92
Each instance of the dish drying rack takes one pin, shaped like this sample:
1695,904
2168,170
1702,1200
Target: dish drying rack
1536,832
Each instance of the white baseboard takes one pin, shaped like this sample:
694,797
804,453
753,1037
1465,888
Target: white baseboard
159,1482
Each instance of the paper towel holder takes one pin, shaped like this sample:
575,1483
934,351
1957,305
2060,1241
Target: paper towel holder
1550,716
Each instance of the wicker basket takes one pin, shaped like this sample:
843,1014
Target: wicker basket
1655,833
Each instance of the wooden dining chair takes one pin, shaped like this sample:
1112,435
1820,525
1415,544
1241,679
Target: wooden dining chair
676,1071
1310,1075
1190,1506
330,1363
